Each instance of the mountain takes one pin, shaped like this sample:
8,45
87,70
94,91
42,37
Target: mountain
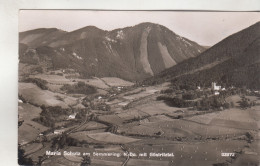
131,53
233,61
38,37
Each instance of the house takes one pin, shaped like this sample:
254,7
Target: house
58,131
72,116
119,88
215,87
216,93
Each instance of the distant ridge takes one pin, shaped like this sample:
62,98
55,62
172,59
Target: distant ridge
233,61
132,53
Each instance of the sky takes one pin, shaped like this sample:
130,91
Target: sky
205,28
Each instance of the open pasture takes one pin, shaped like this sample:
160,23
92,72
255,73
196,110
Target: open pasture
29,130
33,147
140,93
131,114
97,82
157,107
142,129
204,153
92,125
27,111
38,96
53,79
102,137
27,133
112,119
34,156
171,128
114,81
108,137
59,161
145,162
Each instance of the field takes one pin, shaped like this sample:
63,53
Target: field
133,162
103,137
92,125
29,130
39,97
112,119
137,123
205,153
114,81
95,82
105,82
32,148
53,79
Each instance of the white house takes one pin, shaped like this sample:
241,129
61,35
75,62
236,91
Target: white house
216,93
72,116
215,87
119,88
58,131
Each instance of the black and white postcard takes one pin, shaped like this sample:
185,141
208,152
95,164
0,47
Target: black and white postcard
138,88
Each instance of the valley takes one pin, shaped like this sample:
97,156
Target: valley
139,95
135,122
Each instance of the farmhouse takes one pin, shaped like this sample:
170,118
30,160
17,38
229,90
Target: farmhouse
58,131
72,116
216,93
215,87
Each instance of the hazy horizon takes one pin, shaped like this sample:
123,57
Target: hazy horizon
205,28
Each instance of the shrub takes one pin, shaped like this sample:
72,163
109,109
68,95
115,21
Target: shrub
189,96
22,159
226,105
244,103
169,90
50,115
79,88
39,82
38,69
175,102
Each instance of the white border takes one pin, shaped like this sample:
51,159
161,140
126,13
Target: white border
9,10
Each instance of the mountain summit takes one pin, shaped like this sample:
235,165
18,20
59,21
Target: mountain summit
131,53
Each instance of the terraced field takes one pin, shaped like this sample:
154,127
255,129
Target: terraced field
138,123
